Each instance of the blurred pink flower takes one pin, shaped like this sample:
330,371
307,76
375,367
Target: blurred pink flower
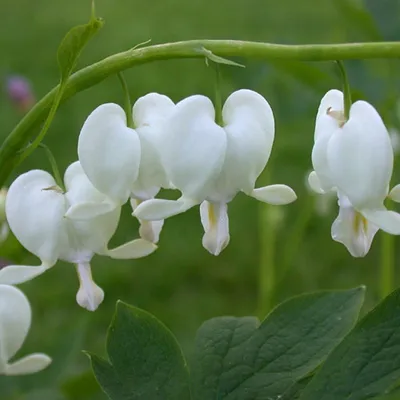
19,91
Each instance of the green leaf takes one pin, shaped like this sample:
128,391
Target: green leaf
236,358
67,56
367,363
73,43
217,59
295,391
146,361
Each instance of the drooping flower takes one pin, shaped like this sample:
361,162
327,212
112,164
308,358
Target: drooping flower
124,162
354,158
36,209
15,321
210,163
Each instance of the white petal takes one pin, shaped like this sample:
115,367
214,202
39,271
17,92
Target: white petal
360,157
250,128
137,248
89,295
35,209
89,210
29,365
149,114
79,188
324,123
158,209
354,231
215,221
395,194
388,221
109,152
193,149
15,320
149,230
274,194
16,274
315,183
152,108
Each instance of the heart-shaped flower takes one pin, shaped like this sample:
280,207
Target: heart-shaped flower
210,163
36,208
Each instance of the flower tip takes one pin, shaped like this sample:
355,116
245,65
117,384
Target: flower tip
90,299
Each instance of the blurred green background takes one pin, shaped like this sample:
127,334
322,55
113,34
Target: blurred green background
181,283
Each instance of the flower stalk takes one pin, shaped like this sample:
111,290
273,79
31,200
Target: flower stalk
95,73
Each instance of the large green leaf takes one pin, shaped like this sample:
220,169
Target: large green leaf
236,358
146,361
367,363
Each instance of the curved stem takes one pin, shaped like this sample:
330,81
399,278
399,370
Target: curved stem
127,100
97,72
346,90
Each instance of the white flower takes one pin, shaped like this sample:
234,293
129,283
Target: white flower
210,163
36,209
15,321
124,162
354,158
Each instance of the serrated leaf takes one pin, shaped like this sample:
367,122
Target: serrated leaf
236,358
146,361
367,363
217,59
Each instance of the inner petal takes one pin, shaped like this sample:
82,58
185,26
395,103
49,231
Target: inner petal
215,221
89,295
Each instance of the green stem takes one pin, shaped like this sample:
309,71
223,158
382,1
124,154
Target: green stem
99,71
267,276
387,265
218,97
346,90
54,166
127,100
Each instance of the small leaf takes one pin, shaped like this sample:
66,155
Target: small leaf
68,53
146,361
236,358
367,363
73,43
217,59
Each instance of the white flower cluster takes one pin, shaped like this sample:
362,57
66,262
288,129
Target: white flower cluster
167,145
181,146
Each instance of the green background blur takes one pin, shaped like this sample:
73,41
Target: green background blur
181,283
